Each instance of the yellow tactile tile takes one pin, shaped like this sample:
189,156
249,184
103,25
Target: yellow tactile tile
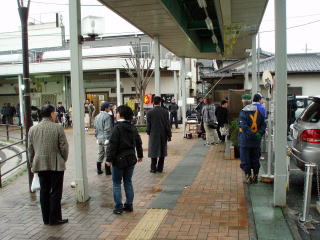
148,225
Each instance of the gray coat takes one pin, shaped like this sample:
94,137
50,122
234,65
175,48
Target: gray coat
48,147
103,126
158,129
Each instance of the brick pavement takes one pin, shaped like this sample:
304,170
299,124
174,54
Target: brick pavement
213,207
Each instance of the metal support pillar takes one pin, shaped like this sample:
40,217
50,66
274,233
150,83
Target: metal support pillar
24,13
280,130
157,91
64,92
183,89
77,89
254,66
176,85
246,76
21,100
119,98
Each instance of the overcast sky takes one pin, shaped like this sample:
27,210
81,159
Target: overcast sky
299,12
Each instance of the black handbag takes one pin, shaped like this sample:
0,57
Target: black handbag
125,160
213,124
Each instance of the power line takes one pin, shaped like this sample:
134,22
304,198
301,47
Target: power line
301,16
301,25
67,4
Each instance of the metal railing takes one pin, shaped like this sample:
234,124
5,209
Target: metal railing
8,137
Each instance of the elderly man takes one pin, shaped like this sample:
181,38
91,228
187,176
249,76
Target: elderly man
251,129
48,152
103,125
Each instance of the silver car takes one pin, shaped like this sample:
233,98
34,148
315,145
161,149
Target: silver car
306,136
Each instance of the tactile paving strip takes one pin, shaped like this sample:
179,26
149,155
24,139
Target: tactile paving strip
148,225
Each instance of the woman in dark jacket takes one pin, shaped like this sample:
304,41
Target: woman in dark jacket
123,144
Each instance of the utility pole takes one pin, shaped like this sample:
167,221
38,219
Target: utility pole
24,13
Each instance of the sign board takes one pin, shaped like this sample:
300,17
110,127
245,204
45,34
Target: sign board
147,99
190,100
180,103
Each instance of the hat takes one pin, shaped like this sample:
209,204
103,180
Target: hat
246,97
104,105
257,97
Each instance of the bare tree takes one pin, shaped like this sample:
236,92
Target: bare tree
138,67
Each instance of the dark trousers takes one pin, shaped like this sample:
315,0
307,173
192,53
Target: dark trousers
157,164
51,183
249,158
174,116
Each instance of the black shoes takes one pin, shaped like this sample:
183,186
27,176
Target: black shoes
249,178
118,211
153,171
59,222
127,208
99,171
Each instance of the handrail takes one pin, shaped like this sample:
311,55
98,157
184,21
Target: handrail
11,145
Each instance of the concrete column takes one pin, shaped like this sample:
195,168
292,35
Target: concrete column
21,99
119,97
78,101
157,91
254,66
176,85
183,89
280,130
64,92
246,76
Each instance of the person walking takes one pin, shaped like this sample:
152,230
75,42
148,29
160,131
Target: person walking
86,115
252,127
92,111
124,143
48,152
4,113
173,109
60,110
11,111
222,117
210,122
159,133
258,101
103,127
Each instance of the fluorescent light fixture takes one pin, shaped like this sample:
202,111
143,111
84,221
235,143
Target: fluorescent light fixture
202,3
214,39
209,23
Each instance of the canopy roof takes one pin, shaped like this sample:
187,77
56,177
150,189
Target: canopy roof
186,27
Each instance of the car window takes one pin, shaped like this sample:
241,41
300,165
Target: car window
312,113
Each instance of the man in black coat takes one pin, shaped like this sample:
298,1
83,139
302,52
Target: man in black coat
222,117
158,129
173,109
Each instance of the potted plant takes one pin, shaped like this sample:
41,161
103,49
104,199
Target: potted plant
234,136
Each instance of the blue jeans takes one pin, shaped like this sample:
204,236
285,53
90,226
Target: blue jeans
117,176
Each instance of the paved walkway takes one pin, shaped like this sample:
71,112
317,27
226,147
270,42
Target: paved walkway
212,207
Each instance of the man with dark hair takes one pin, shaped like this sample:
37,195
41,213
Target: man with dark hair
92,111
124,143
251,129
48,152
60,110
158,129
173,109
103,126
222,117
258,101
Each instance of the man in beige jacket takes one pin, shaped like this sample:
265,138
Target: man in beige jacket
48,152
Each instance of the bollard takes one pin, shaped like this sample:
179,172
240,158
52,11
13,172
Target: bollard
307,193
7,129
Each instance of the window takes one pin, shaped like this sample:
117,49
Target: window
113,90
312,113
133,89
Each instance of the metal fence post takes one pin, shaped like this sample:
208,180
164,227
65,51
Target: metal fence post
21,132
0,176
7,129
307,193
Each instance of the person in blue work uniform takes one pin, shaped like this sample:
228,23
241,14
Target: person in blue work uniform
251,129
258,101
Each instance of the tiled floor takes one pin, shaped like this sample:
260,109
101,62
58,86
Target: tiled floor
213,207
